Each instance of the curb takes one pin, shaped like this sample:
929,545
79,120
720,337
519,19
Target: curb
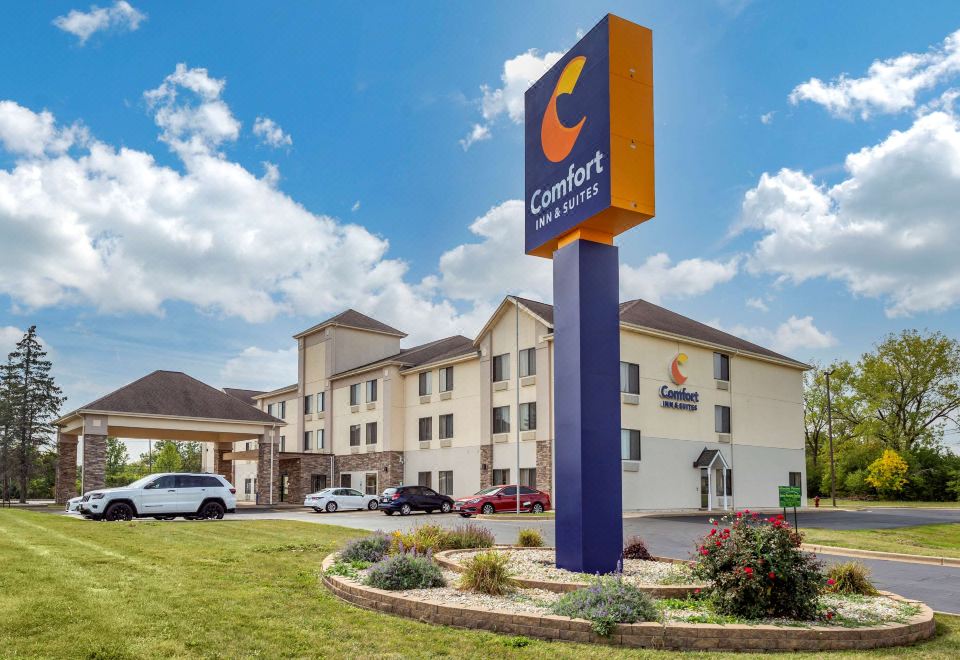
951,562
513,516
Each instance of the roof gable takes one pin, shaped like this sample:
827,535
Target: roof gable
351,318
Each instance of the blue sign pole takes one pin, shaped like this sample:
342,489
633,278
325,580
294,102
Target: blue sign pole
589,523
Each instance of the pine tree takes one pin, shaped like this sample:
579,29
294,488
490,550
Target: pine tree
7,394
35,403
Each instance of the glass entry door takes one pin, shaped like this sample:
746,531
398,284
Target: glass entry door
371,485
704,488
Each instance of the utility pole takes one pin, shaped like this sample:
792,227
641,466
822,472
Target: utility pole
833,477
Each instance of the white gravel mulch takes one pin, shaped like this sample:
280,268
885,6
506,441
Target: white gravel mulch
537,564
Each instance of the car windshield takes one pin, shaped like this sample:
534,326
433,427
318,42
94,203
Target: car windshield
142,481
488,491
325,491
390,491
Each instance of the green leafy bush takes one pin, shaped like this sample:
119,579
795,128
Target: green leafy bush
371,548
605,603
530,538
348,569
848,578
635,548
487,573
405,571
466,536
756,569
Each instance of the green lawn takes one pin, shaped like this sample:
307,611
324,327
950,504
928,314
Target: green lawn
930,540
860,504
78,589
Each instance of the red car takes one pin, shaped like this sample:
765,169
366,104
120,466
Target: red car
502,499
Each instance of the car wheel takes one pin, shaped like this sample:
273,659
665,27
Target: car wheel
464,515
538,508
405,510
118,511
373,505
317,509
389,513
445,507
211,511
331,507
487,509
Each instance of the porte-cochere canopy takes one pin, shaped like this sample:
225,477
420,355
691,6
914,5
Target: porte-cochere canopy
163,405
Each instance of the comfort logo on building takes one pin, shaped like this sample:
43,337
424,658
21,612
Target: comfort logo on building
676,369
556,139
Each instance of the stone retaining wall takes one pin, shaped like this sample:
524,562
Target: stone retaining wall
672,636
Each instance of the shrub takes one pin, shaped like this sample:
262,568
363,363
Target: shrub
530,538
421,539
851,577
756,569
405,571
635,548
487,573
467,536
605,603
371,548
348,569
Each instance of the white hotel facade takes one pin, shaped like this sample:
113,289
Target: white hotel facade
368,414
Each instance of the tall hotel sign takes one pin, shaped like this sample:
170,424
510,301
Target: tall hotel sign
589,177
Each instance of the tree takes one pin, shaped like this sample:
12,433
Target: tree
117,468
888,474
35,401
166,457
6,427
815,416
907,389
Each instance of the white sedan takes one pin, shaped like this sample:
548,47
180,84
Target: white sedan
73,505
331,499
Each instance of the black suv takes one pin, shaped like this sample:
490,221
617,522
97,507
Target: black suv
414,498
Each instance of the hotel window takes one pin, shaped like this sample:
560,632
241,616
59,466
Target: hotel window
308,404
445,478
426,429
629,378
795,480
446,379
321,438
721,366
248,446
282,410
501,419
629,444
371,433
318,482
270,409
307,437
355,394
321,402
446,426
425,383
371,391
528,477
425,479
501,367
355,435
528,362
721,417
283,443
345,481
247,486
528,416
501,477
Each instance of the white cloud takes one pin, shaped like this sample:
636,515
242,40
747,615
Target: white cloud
758,304
270,133
767,117
28,133
658,278
120,17
518,74
792,335
356,206
258,369
890,85
478,133
884,231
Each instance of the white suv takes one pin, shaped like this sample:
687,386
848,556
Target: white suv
163,496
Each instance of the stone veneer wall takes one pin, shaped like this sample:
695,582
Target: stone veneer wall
94,461
264,454
66,487
387,464
486,466
300,471
545,467
222,466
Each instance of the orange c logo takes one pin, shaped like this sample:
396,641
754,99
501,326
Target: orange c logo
675,373
557,139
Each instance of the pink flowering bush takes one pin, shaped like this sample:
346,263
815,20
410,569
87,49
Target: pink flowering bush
755,568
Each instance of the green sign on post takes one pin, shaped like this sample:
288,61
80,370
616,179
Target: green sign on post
789,497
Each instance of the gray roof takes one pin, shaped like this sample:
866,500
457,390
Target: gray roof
175,394
705,459
354,319
434,351
644,314
243,395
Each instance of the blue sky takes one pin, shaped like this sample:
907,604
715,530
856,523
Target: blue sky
151,221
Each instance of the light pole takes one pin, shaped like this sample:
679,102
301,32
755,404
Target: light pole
833,478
